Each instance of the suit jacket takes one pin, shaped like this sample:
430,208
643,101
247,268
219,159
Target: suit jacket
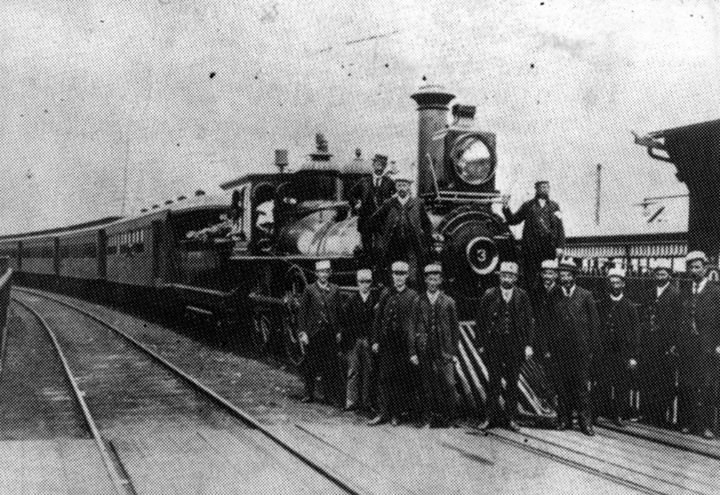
358,317
576,323
618,337
544,320
395,322
706,330
386,220
661,321
489,321
371,197
437,333
543,225
320,310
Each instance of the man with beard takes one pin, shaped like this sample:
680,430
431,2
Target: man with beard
543,234
699,349
367,196
318,329
576,324
504,327
395,322
616,350
405,226
660,326
434,349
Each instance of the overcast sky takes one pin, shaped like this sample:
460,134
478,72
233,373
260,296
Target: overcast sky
108,106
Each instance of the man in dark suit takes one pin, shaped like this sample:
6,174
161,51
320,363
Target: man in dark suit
395,322
367,196
358,316
699,349
661,322
434,349
504,327
405,227
542,308
576,325
543,234
318,329
616,350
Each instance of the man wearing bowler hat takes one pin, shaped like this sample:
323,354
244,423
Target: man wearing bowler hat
395,322
543,234
318,329
367,196
661,322
505,331
405,227
699,349
616,350
434,349
576,325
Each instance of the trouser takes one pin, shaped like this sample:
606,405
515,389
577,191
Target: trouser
358,375
321,360
657,387
503,364
697,394
611,394
397,385
438,388
570,377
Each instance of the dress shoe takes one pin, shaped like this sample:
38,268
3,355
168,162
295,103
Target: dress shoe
307,399
394,422
513,426
561,425
708,434
588,429
619,422
378,420
350,408
685,430
484,425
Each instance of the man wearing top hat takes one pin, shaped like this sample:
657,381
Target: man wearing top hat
367,196
504,327
434,348
395,322
575,327
661,322
699,349
358,318
318,329
616,350
543,234
405,227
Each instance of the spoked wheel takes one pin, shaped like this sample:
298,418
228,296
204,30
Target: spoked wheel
262,332
295,283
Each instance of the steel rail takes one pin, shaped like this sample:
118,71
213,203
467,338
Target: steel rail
244,416
121,485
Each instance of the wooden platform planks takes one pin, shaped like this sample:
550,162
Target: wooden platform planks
52,467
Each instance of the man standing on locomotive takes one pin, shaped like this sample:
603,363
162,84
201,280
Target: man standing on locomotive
359,315
405,226
699,349
395,322
660,326
367,196
505,329
318,329
616,350
543,234
575,324
434,348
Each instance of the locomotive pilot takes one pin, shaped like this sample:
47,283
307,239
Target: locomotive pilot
699,349
405,227
359,315
434,348
318,329
505,329
543,234
661,322
395,322
575,323
616,350
367,196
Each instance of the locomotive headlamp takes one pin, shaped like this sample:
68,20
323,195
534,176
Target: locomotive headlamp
473,159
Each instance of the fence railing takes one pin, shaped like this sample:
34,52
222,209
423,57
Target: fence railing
5,286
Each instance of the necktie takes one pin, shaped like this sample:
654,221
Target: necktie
696,288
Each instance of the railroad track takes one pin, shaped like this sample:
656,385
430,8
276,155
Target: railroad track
133,400
623,460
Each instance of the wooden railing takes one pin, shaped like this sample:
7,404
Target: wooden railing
5,286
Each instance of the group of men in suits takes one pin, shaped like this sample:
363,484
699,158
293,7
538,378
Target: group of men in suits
400,345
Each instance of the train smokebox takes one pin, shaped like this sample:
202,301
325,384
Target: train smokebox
432,104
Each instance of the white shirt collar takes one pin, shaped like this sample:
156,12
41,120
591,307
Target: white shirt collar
569,292
403,201
507,293
542,202
661,290
433,296
617,298
700,286
365,296
548,289
325,286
